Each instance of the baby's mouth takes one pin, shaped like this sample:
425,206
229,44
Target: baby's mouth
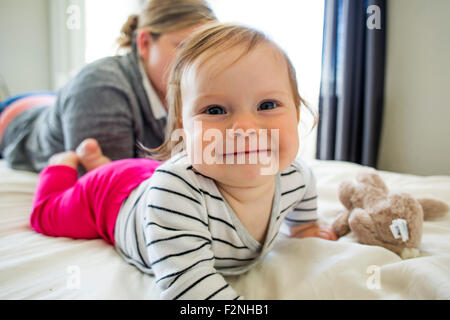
245,152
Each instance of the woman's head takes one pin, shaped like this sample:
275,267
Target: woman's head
232,77
158,31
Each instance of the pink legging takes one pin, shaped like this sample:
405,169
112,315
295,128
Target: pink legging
86,208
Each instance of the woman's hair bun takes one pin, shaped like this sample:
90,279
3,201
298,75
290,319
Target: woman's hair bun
127,31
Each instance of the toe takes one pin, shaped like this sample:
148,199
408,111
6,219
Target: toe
88,147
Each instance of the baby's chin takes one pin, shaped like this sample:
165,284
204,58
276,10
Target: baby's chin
242,175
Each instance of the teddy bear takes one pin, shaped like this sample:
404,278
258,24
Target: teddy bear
378,217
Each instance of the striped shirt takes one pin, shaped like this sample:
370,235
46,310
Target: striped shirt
178,227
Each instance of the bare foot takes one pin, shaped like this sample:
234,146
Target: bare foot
90,154
67,158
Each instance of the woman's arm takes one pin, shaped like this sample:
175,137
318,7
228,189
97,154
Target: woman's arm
102,113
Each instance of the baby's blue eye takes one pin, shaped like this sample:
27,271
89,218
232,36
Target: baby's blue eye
267,105
215,110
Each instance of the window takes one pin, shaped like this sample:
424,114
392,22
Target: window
104,20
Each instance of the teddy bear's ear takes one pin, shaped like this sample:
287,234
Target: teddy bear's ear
371,177
345,193
433,208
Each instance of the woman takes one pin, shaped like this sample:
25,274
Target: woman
119,101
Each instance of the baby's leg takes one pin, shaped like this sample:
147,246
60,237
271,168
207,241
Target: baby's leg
61,207
68,158
85,208
88,153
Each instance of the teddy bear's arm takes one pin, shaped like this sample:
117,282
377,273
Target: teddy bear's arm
340,224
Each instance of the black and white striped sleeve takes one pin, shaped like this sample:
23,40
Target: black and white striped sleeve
305,211
179,241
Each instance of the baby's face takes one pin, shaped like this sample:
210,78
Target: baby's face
230,104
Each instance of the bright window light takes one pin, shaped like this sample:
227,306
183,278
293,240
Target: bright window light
104,20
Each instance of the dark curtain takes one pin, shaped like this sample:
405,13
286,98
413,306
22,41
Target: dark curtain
352,83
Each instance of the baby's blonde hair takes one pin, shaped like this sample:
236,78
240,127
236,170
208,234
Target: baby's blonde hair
207,42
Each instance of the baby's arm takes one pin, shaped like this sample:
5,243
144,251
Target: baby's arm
312,229
302,221
178,240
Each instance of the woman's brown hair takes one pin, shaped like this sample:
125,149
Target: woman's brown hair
161,16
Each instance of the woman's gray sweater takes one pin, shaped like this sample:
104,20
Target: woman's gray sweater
105,101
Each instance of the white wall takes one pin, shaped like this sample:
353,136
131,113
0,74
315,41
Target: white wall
43,42
416,129
24,45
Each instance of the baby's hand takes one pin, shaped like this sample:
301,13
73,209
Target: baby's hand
313,230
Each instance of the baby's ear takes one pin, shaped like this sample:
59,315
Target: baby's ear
433,208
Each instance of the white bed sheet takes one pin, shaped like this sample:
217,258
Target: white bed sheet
33,266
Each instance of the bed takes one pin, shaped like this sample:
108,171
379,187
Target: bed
33,266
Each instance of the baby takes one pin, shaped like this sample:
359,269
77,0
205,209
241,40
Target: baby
208,210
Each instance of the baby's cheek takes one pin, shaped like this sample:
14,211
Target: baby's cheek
193,143
289,146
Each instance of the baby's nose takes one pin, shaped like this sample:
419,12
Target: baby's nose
243,126
236,133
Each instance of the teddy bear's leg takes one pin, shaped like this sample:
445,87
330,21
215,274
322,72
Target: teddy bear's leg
408,253
432,208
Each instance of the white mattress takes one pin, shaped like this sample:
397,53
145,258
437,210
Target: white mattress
33,266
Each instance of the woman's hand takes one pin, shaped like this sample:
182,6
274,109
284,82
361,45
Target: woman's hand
313,230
